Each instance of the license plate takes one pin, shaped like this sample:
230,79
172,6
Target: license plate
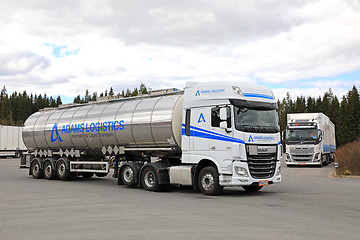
264,183
302,163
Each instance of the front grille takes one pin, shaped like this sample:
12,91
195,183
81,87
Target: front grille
262,165
302,154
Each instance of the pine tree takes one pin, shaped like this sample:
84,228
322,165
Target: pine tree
111,92
134,93
143,89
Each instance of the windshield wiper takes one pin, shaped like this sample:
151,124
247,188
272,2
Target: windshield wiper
247,127
271,129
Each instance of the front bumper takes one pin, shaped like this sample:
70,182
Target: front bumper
313,159
303,163
236,180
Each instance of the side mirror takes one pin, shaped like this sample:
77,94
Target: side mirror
223,114
223,125
320,134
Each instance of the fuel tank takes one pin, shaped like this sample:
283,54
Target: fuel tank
151,122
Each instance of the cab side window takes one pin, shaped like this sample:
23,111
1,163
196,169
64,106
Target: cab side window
215,117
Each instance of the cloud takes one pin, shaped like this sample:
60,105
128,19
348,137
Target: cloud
21,62
69,46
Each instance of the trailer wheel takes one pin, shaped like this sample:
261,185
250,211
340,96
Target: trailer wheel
87,175
127,176
36,170
208,181
253,188
49,171
101,174
149,180
62,170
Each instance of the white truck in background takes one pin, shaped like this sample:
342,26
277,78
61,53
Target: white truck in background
11,141
309,139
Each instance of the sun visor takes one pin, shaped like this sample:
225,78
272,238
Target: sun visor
253,105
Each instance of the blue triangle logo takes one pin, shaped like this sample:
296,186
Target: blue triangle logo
251,139
197,93
55,130
201,118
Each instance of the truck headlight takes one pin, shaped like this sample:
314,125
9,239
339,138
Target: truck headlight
288,156
241,171
278,171
317,156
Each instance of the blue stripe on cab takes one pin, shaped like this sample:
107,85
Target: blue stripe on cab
258,95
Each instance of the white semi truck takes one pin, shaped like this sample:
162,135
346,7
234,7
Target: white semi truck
210,136
310,139
11,142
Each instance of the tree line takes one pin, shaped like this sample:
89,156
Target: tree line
128,93
15,108
344,113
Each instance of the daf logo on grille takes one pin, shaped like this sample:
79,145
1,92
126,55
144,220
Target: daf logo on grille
266,149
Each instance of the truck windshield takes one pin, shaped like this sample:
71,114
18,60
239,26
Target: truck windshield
256,120
309,135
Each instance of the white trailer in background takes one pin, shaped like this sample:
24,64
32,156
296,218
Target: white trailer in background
11,142
310,139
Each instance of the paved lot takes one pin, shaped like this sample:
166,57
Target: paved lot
306,205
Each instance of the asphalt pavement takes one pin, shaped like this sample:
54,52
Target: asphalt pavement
308,204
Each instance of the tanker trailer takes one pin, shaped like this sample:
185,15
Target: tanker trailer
209,136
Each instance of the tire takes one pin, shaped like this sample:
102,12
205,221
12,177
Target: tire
36,170
253,188
87,175
17,154
128,176
321,162
49,171
324,160
62,170
101,174
149,180
208,181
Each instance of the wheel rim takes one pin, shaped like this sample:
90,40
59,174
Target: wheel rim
128,174
207,181
48,170
149,179
36,169
62,169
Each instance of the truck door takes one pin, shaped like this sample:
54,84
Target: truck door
195,136
200,122
222,140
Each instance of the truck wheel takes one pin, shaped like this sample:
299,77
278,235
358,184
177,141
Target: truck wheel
101,174
49,171
62,171
254,188
87,175
208,181
17,154
323,160
127,176
36,171
149,180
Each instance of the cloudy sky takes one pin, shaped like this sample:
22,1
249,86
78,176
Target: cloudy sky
303,47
